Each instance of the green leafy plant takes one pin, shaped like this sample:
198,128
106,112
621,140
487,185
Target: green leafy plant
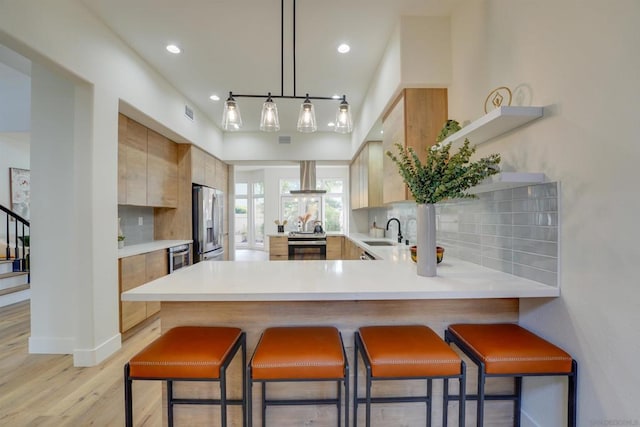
441,176
120,238
450,127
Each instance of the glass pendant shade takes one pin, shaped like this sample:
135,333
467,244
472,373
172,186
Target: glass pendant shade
307,117
343,118
231,120
269,121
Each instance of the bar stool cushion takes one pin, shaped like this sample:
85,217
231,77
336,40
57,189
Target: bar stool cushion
185,352
510,349
305,352
408,351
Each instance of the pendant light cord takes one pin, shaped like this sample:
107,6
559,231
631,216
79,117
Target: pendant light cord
294,47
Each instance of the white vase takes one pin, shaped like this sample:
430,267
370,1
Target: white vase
426,230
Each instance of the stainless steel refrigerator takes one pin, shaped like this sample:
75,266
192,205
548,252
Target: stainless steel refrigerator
208,208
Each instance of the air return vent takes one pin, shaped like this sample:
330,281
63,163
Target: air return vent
284,140
188,112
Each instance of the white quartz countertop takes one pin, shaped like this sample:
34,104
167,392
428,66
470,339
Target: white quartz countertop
391,277
144,248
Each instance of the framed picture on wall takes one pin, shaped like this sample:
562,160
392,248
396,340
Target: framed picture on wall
20,188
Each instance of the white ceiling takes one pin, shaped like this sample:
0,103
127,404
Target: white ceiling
234,45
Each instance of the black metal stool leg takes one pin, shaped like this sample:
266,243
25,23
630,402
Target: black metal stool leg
517,403
264,404
128,396
223,397
428,401
462,393
355,383
170,403
572,395
480,401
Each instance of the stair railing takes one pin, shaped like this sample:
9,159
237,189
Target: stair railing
21,239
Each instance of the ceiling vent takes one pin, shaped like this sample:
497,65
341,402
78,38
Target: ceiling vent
284,140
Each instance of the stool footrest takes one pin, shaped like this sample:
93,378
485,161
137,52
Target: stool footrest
205,401
300,402
486,397
392,399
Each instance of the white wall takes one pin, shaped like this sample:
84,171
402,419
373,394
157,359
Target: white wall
579,60
98,75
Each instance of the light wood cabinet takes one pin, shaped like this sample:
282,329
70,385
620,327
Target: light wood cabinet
162,171
414,120
132,153
135,271
351,250
278,248
132,275
335,247
147,166
197,166
366,176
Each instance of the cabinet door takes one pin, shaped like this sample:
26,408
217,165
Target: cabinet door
278,248
393,187
197,166
157,265
334,247
374,174
210,171
162,171
132,274
413,121
135,146
354,178
122,159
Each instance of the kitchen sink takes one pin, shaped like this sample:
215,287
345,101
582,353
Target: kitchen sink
377,243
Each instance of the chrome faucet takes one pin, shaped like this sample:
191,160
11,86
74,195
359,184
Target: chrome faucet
399,231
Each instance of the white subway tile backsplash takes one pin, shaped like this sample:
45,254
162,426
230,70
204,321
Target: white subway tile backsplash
513,230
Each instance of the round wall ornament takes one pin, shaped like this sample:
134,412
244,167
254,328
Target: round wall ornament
497,97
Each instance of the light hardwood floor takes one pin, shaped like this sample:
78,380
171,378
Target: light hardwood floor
47,390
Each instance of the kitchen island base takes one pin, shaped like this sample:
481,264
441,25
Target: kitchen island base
254,316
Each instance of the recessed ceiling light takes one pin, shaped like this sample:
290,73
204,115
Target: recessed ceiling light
173,48
344,48
214,98
381,132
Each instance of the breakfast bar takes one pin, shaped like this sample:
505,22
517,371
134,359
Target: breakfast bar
344,294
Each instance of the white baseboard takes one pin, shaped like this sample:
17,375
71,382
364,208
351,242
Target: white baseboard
92,357
15,297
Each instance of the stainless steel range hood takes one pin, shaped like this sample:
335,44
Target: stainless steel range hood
308,179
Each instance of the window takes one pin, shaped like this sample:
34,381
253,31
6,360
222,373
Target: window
249,215
327,208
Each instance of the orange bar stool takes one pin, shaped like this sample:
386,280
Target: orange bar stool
410,352
188,353
302,353
508,350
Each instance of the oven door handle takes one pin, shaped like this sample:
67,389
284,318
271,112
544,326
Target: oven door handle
307,242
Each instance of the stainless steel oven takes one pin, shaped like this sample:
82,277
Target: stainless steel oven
307,246
179,257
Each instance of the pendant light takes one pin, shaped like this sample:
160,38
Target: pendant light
269,121
343,117
307,117
231,120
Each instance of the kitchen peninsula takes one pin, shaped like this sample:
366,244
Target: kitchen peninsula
346,294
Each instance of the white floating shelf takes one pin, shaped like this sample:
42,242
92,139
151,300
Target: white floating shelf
494,123
505,180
